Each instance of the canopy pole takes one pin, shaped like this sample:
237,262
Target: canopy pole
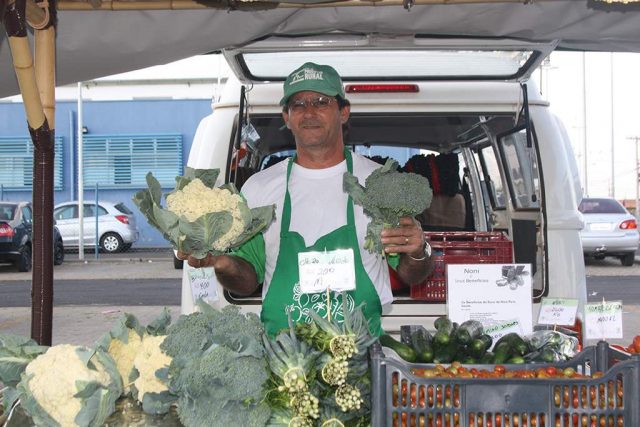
14,20
43,183
248,5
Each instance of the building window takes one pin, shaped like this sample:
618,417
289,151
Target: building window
16,163
123,161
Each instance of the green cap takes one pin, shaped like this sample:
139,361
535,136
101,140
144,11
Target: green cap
317,78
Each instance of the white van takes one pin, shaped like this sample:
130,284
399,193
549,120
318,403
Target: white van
466,99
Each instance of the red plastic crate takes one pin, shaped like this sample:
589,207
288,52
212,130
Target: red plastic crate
460,247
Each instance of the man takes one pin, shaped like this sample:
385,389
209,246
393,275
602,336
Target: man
314,214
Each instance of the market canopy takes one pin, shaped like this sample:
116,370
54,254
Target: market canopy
97,38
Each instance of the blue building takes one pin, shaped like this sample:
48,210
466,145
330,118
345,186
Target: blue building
122,140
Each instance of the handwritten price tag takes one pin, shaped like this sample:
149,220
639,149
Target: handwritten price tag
558,311
203,284
498,330
332,270
603,320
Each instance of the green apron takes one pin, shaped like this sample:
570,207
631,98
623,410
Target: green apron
284,295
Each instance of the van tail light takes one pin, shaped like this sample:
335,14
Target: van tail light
630,224
377,88
5,230
123,219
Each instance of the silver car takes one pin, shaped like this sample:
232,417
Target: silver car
609,230
117,229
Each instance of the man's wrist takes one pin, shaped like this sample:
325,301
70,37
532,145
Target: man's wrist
426,253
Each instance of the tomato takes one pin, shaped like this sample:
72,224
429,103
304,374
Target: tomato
636,343
499,369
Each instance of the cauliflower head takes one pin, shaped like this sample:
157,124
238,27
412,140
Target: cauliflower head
124,353
200,218
196,199
147,362
60,385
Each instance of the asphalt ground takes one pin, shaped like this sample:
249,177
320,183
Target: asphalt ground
83,324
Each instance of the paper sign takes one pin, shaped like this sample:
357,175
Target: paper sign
603,320
498,330
203,284
558,311
490,293
332,270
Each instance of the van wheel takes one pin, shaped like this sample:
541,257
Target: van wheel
24,263
628,259
111,243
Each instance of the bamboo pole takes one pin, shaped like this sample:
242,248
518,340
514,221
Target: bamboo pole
257,5
45,51
14,20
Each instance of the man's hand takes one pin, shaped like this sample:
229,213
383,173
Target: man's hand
208,261
234,273
408,238
408,241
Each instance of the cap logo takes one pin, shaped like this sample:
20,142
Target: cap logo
306,74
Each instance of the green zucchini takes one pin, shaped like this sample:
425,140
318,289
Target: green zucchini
445,353
516,360
421,343
468,331
403,350
478,347
487,358
444,328
502,352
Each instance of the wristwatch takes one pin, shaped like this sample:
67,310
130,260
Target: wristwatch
427,252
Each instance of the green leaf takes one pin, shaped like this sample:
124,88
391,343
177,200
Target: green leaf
201,234
9,397
260,218
207,176
160,324
158,403
155,190
167,223
11,367
181,182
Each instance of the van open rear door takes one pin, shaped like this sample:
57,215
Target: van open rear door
411,57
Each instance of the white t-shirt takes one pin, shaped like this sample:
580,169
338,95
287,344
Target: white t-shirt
318,207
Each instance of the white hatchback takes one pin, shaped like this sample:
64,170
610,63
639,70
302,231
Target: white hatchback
116,229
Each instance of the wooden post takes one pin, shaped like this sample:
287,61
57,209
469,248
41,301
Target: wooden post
43,139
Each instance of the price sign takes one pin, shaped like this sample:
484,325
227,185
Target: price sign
332,270
203,284
558,311
498,330
603,320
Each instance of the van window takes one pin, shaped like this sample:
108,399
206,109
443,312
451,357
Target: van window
491,177
522,170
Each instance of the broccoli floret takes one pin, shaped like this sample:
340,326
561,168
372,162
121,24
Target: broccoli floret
217,381
190,334
225,374
386,196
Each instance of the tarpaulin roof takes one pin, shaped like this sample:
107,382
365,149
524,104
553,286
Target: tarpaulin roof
96,42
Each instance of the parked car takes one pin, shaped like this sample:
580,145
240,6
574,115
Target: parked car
16,225
609,230
117,229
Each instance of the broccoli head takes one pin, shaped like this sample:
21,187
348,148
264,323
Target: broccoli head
387,196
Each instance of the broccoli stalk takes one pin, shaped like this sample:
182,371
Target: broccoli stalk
387,196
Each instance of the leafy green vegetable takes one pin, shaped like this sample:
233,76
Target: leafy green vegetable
201,218
387,196
219,370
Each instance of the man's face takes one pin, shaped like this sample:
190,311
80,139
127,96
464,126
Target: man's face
315,119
